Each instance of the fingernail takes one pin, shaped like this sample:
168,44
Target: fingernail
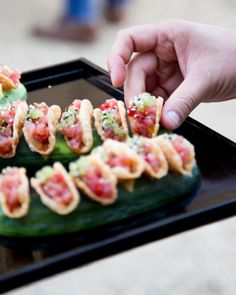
173,118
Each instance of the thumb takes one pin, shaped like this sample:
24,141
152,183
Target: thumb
182,101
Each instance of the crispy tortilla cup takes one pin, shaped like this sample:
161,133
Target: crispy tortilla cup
52,117
8,149
84,117
144,113
110,120
58,207
155,163
123,161
20,205
91,172
179,152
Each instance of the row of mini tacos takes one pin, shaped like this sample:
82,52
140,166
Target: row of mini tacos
40,123
36,121
97,174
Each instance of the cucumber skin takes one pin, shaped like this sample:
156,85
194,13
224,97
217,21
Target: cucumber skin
34,161
20,93
41,222
148,195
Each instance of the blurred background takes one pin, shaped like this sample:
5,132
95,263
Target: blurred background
201,261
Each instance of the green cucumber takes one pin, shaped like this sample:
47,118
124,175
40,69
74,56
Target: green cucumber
40,221
20,93
148,195
33,161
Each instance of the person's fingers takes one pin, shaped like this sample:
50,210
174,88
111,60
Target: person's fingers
117,71
137,71
135,39
182,101
151,81
170,76
159,91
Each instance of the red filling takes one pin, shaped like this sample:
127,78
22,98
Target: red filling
142,122
14,76
96,183
121,161
6,145
9,187
109,104
6,130
151,158
76,103
182,150
56,188
38,128
74,134
7,121
109,133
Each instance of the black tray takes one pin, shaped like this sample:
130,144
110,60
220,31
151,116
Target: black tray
216,157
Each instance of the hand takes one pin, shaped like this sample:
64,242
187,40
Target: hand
185,63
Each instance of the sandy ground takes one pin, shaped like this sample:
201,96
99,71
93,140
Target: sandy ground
197,262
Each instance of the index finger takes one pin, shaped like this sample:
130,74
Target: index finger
135,39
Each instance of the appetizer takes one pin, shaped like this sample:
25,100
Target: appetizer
144,114
9,79
40,127
155,162
76,125
95,179
110,120
56,189
122,160
179,152
11,123
14,192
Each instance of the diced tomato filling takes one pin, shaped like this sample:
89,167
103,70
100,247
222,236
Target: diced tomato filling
151,158
153,161
76,103
6,129
109,133
6,122
182,150
9,187
109,104
56,188
142,122
39,129
6,144
97,184
110,130
43,107
13,75
74,134
120,161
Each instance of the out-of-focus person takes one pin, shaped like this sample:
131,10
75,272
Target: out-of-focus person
82,19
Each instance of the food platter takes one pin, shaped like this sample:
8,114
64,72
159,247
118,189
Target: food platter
127,172
215,200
